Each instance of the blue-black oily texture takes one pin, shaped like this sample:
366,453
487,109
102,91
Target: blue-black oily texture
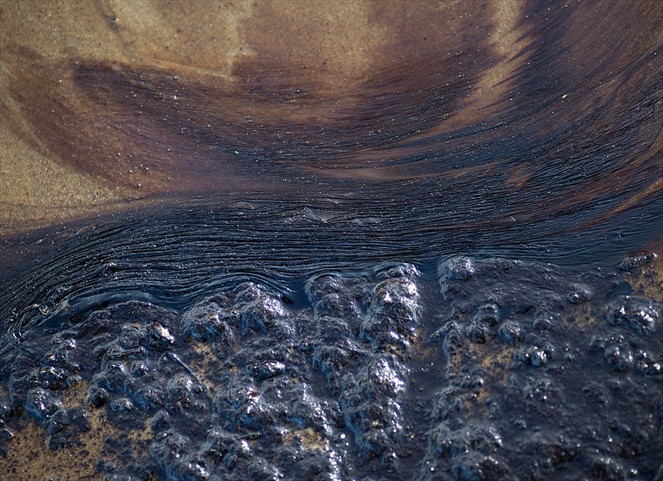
489,369
340,279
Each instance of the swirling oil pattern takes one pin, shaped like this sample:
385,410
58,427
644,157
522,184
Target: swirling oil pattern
365,240
457,116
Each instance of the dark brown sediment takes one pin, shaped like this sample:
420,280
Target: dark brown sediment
181,124
549,108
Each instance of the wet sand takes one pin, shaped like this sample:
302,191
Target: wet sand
337,44
111,103
155,153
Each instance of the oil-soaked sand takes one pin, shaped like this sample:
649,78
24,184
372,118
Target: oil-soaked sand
312,240
509,111
476,369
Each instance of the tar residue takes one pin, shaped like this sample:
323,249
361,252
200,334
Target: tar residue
499,369
346,275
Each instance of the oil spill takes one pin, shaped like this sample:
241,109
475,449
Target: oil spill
490,369
372,248
520,114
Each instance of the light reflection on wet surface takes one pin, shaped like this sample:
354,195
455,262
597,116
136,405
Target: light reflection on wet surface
300,240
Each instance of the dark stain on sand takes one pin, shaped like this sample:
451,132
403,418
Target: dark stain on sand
340,267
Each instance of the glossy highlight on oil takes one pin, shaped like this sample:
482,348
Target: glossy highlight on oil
376,240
